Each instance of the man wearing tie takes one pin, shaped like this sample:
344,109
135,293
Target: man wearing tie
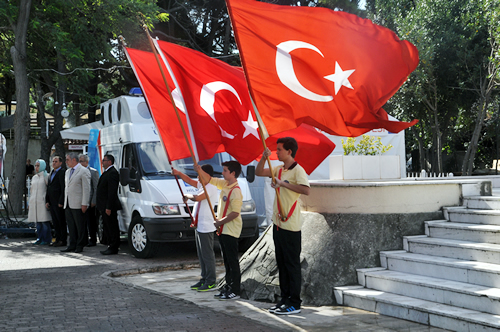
54,201
90,217
76,202
108,204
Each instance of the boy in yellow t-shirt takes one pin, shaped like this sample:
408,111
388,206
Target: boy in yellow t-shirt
291,182
229,223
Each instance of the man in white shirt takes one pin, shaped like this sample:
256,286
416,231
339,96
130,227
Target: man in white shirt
204,232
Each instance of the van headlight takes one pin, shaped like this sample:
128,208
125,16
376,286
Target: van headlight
248,206
164,209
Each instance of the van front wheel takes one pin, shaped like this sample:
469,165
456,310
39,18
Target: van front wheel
138,239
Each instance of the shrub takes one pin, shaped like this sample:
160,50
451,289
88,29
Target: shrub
367,146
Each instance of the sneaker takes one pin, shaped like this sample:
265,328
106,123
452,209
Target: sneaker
286,310
222,291
207,288
37,242
275,307
229,296
197,285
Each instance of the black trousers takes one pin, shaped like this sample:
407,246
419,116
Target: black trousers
59,222
111,229
287,246
229,249
76,226
91,219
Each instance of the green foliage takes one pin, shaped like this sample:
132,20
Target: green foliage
454,49
367,146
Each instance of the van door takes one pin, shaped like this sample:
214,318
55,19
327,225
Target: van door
128,192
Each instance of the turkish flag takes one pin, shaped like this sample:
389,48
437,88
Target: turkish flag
330,69
217,102
314,147
218,106
155,92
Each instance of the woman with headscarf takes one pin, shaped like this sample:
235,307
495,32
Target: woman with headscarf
38,212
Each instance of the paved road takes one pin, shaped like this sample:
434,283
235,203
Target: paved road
42,289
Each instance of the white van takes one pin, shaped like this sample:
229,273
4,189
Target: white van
153,210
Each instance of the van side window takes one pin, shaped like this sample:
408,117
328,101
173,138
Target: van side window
130,160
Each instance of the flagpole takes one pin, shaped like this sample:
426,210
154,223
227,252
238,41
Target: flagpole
262,127
155,52
263,136
122,41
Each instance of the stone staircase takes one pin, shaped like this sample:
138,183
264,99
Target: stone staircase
448,278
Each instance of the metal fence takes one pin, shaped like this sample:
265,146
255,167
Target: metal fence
425,174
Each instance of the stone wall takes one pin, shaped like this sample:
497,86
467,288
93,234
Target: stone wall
333,247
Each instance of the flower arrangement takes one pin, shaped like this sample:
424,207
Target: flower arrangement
367,146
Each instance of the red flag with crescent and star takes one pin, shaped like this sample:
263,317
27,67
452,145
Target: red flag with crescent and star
327,68
155,92
219,108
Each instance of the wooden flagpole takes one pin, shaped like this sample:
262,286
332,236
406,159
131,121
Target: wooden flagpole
263,136
155,52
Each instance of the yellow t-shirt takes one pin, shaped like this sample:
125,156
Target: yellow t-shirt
295,175
232,228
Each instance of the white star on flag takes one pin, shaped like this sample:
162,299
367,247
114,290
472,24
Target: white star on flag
251,126
340,78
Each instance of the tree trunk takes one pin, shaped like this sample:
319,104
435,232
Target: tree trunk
468,163
21,119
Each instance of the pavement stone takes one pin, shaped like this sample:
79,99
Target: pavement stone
42,289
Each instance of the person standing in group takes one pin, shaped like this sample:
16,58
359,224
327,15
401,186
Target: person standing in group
38,212
108,204
90,215
55,202
205,229
229,223
76,202
30,170
291,182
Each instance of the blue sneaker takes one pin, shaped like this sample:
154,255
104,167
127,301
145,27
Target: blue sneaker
287,310
37,242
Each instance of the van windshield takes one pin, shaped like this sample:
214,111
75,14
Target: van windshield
154,161
153,158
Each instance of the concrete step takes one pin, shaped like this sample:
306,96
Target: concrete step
482,202
417,310
478,273
459,294
472,216
459,249
463,231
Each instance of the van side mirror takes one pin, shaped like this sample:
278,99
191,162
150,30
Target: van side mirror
250,173
124,176
125,179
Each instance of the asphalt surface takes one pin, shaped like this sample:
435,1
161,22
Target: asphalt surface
42,289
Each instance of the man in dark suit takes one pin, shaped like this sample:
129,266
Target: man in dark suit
54,201
108,204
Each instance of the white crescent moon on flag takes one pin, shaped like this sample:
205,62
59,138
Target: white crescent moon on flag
207,100
286,73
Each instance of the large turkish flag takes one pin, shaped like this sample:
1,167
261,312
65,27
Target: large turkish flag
155,92
330,69
218,105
